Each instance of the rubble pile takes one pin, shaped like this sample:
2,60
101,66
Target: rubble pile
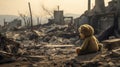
8,49
52,34
46,43
106,59
8,45
51,46
66,57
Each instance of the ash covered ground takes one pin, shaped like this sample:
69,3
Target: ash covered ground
52,46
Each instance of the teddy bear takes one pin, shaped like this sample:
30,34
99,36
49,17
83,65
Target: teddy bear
90,42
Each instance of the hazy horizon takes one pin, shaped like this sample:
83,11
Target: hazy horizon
14,7
71,8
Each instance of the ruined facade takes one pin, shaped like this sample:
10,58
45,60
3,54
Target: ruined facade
107,24
58,17
105,20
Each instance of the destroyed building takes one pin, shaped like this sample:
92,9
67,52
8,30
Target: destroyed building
13,24
102,18
60,19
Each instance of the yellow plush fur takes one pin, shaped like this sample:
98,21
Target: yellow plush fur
90,43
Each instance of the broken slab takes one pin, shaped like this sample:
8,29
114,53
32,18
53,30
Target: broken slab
9,46
88,57
36,58
116,53
111,44
59,46
6,57
38,33
5,53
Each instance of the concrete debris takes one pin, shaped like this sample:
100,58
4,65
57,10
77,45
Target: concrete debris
8,49
116,53
52,45
38,33
112,43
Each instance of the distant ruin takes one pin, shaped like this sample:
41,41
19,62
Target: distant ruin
105,20
13,24
59,18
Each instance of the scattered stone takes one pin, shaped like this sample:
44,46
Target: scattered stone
111,63
34,65
36,58
115,53
111,44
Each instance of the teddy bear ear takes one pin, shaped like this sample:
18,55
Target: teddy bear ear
91,29
86,28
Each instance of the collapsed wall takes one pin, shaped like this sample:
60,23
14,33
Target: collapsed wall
105,20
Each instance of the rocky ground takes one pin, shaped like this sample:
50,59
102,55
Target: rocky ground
51,46
65,57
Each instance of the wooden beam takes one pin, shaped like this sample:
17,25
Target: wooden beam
30,14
